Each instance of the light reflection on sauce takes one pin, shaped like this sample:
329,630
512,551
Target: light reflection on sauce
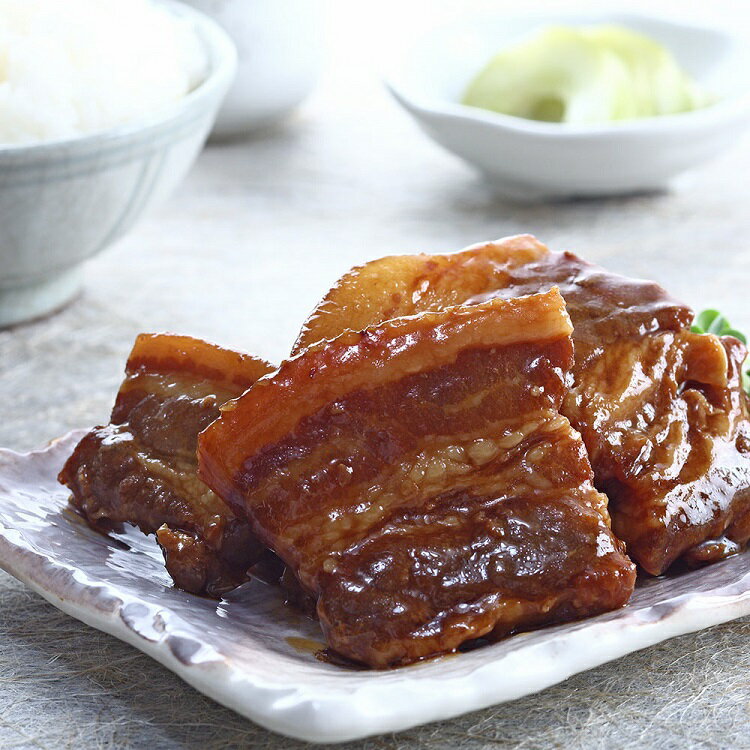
328,656
321,653
305,645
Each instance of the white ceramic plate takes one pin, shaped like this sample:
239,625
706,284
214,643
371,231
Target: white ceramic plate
252,654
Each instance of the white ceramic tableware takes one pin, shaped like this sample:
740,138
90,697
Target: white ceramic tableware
279,44
62,202
526,159
255,655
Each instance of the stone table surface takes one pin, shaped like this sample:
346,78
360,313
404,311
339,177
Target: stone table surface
239,255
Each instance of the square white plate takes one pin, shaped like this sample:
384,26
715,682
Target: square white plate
253,654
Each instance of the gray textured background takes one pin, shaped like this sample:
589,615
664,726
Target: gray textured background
240,255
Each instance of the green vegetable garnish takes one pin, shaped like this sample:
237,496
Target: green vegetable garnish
585,75
712,321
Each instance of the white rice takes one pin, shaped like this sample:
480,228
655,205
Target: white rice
70,67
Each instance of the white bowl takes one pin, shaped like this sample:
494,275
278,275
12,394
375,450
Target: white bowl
63,201
280,53
530,160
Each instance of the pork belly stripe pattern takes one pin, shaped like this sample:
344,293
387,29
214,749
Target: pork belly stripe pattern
141,468
661,409
419,480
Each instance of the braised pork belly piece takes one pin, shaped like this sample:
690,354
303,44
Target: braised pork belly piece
419,480
142,467
661,410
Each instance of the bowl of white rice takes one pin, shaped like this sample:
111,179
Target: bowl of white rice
104,106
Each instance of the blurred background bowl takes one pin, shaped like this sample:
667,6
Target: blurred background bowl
62,202
526,159
279,45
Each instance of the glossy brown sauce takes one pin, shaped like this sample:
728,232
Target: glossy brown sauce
662,411
141,468
305,645
421,479
448,501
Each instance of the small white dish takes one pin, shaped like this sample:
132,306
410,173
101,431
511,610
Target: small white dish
532,160
255,655
280,53
61,202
